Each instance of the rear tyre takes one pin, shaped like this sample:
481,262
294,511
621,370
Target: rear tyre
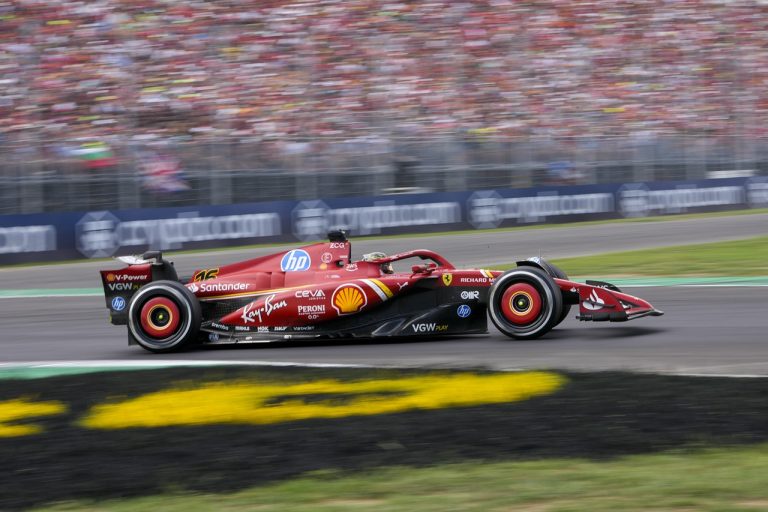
164,316
525,303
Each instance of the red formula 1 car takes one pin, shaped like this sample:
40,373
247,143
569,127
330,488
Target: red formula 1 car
320,292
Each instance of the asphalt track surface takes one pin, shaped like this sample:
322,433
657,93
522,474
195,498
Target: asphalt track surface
706,330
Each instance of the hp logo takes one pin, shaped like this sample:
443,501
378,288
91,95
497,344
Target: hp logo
297,260
118,303
464,311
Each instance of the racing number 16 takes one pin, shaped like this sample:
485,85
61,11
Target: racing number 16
209,273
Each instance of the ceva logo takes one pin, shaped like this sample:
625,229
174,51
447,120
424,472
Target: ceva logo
297,260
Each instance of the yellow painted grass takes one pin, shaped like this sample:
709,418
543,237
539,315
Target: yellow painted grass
17,410
261,403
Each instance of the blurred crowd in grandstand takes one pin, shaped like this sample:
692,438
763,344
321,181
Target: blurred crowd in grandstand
294,72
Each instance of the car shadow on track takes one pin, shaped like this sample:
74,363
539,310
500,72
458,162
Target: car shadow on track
340,342
556,335
631,331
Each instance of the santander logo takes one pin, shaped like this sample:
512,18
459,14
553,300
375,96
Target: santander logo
594,303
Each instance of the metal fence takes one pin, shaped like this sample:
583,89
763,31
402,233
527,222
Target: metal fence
42,176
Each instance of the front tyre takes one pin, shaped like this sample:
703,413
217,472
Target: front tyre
525,303
557,272
164,316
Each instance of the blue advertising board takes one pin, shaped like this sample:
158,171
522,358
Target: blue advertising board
62,236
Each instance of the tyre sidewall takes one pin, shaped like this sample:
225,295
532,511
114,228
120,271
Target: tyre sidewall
551,302
558,273
189,309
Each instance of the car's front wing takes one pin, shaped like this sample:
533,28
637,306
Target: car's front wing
603,302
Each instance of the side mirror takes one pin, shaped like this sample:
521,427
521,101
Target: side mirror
424,269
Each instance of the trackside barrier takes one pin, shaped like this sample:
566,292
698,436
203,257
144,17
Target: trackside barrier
97,234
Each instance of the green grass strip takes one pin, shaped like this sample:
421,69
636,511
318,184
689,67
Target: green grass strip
739,258
686,281
736,258
703,480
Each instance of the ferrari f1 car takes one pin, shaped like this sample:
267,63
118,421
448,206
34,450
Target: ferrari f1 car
320,292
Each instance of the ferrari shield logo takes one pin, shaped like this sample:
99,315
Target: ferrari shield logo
447,279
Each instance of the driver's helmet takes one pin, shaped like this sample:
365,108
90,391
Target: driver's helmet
386,268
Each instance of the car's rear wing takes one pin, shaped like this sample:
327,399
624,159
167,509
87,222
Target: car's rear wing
120,285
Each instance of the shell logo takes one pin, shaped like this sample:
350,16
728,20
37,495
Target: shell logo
110,277
348,299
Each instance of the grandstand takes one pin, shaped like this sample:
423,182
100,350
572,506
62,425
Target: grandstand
622,89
